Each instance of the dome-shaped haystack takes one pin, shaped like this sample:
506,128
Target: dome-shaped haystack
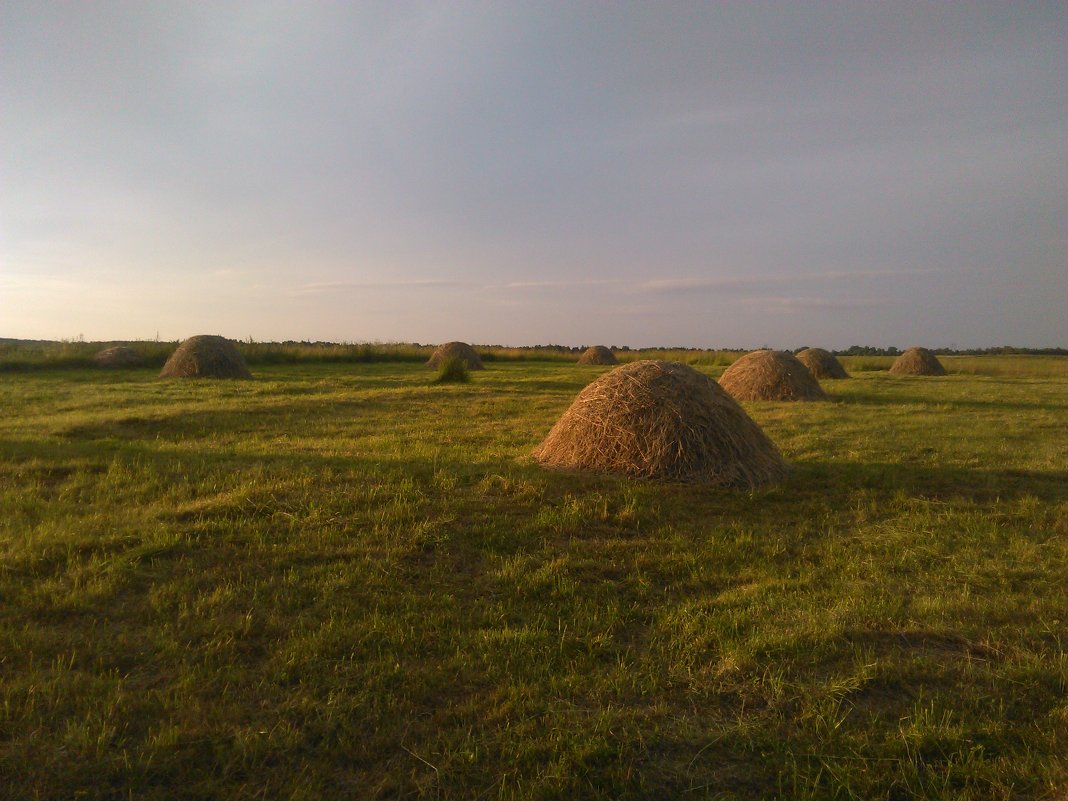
664,421
118,356
917,361
206,356
770,375
597,354
822,363
456,350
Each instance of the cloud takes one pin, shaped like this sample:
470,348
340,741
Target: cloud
336,286
680,285
49,283
787,303
755,283
562,284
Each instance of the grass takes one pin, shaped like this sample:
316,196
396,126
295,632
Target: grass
337,581
453,370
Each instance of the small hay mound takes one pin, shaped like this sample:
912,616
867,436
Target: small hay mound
770,375
598,354
822,363
119,356
456,350
663,421
206,356
917,361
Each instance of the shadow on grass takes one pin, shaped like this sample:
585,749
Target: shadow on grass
933,483
890,400
813,481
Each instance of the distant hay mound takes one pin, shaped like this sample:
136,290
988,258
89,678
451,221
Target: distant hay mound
456,350
598,354
917,361
119,356
206,356
770,375
822,363
663,421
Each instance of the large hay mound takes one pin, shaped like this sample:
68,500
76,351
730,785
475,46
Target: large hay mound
456,350
206,356
822,363
118,356
770,375
664,421
917,361
598,354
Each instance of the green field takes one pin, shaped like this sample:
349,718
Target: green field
339,581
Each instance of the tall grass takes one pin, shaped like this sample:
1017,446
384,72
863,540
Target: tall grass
452,370
25,355
1015,366
22,356
864,364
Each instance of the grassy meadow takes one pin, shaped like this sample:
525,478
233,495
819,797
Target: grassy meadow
341,581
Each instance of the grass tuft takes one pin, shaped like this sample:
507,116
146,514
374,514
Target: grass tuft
453,370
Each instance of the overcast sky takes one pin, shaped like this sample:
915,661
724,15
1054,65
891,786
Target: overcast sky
701,174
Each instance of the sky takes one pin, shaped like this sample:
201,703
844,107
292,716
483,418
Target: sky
648,174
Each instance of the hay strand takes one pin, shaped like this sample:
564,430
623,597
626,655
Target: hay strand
663,421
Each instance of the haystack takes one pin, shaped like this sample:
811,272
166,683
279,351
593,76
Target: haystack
598,354
118,356
663,421
206,356
456,350
822,363
770,375
917,361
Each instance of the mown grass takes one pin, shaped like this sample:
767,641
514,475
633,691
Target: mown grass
338,581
